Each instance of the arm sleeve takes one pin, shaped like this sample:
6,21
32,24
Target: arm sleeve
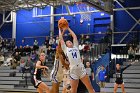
75,42
126,67
64,48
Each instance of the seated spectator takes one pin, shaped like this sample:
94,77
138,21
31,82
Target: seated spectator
8,61
1,59
86,48
27,49
7,44
34,56
57,40
102,76
51,41
0,44
81,48
90,72
87,39
130,53
82,39
22,66
3,44
17,58
137,54
49,53
46,42
21,51
35,45
54,46
23,43
12,44
29,65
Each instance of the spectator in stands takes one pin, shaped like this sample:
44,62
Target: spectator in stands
23,43
131,53
29,65
21,51
35,45
81,48
16,49
46,42
22,66
54,45
42,50
49,53
34,56
102,77
51,41
82,39
27,49
7,44
119,77
89,71
12,44
17,58
57,40
8,61
87,39
1,59
3,44
137,54
0,44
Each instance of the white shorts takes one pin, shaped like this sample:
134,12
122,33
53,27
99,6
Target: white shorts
77,72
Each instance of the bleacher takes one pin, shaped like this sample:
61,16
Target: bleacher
18,82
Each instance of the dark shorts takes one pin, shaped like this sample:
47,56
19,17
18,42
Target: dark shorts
35,81
119,82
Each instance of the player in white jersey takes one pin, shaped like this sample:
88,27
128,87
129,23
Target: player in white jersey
77,69
56,75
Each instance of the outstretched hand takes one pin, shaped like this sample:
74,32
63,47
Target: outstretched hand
45,73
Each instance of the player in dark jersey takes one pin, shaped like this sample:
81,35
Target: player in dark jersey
119,77
36,77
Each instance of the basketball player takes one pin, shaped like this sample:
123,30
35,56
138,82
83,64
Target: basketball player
66,82
56,75
119,78
77,69
36,77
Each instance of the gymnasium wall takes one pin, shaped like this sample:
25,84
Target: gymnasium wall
98,24
123,22
29,26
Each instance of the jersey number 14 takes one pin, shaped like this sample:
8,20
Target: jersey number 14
74,54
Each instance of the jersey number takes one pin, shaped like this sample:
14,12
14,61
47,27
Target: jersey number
74,55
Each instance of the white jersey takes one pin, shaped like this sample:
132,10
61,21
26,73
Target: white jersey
57,72
72,54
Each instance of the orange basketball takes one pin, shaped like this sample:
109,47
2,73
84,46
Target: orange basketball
63,23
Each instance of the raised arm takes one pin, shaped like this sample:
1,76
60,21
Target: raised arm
73,35
61,37
128,66
61,40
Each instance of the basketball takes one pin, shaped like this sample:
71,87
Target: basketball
63,23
